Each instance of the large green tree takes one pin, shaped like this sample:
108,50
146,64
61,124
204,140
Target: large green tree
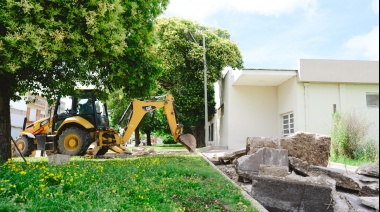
182,64
48,47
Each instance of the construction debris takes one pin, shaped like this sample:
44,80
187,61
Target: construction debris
310,147
248,166
288,179
371,170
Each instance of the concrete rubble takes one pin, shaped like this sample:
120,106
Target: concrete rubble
371,170
309,147
286,175
248,166
347,180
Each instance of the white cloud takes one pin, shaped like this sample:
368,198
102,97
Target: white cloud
200,10
367,45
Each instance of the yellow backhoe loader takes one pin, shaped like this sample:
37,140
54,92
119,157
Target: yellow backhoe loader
84,127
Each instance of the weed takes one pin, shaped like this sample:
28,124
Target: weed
154,183
348,138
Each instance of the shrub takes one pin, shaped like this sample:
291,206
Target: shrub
168,140
348,137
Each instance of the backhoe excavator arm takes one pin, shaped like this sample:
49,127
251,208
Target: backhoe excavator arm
137,109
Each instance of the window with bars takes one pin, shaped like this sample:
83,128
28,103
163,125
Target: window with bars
287,124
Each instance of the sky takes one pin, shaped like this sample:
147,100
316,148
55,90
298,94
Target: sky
275,34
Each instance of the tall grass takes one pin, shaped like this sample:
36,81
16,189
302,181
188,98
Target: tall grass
154,183
348,139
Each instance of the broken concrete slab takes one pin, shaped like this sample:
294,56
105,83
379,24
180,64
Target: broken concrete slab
299,166
248,166
228,157
310,147
349,180
371,170
372,202
279,194
341,203
275,171
255,143
351,203
362,185
355,205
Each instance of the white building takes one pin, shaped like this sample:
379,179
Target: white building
32,111
276,103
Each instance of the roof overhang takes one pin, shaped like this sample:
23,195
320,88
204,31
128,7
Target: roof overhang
262,77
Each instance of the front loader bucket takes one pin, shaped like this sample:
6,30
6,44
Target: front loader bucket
188,141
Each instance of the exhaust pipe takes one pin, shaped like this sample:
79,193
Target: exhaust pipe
24,124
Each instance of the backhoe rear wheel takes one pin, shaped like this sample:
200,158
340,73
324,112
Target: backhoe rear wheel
74,141
25,145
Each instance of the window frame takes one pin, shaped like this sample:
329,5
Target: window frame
287,120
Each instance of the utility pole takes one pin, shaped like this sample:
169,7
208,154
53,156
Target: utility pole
204,81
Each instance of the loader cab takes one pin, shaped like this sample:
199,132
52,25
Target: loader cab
86,105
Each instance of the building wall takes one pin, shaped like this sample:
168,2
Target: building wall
223,110
338,71
287,102
319,107
32,111
317,104
18,113
248,111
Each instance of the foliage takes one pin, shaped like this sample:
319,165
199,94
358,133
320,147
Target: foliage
157,183
168,140
348,138
181,62
50,47
104,43
182,65
117,103
348,161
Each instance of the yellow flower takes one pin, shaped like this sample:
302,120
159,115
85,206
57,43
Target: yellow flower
23,172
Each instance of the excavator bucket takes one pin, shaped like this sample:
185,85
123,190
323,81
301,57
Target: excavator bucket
188,141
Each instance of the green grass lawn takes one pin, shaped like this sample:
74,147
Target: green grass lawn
152,183
164,147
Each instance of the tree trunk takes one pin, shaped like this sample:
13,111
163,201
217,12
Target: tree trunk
137,137
199,135
5,120
148,141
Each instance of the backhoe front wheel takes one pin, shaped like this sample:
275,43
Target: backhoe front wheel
25,145
74,141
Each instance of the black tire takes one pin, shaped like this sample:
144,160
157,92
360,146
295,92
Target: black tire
74,142
102,151
25,145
